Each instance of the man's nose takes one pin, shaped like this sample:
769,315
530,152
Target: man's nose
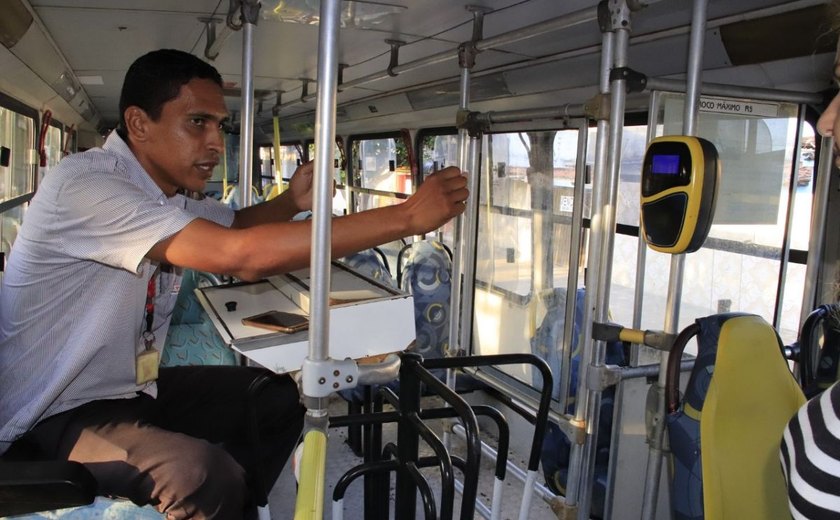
216,140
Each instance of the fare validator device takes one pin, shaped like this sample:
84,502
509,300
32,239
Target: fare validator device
679,190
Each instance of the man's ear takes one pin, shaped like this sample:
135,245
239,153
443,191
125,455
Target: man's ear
137,123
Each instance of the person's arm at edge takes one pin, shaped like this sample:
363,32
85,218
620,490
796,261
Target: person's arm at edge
266,249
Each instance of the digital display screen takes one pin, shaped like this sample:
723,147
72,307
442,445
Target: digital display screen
665,164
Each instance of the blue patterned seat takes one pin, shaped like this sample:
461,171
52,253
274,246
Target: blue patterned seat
556,446
371,263
424,270
104,508
192,339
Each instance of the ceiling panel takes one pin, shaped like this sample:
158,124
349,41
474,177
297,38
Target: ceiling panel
286,52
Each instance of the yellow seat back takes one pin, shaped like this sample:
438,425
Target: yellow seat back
751,398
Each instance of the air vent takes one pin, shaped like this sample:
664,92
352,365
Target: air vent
790,35
448,94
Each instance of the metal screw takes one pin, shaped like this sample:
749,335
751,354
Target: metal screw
349,379
322,380
335,385
336,373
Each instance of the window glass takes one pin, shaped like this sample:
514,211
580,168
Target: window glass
800,230
52,147
17,134
339,203
438,152
738,267
527,195
381,164
633,146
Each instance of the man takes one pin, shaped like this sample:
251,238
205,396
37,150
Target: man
90,286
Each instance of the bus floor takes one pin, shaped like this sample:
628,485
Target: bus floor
340,459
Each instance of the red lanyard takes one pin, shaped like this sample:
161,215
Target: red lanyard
150,300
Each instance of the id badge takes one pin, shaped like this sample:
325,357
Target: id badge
146,369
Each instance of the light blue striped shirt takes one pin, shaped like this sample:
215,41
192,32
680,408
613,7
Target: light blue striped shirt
74,290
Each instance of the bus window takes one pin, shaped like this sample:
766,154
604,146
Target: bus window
17,172
379,175
626,245
525,230
439,149
738,268
17,133
339,203
381,172
52,147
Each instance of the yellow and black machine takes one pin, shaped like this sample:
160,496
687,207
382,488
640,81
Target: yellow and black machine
679,190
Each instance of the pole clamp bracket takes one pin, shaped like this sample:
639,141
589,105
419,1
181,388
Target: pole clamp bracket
634,81
475,123
601,377
321,378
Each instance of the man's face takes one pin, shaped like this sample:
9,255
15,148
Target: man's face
182,147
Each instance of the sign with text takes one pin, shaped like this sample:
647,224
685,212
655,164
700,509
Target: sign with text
734,106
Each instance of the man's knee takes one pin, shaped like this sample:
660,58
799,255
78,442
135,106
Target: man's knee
206,483
277,405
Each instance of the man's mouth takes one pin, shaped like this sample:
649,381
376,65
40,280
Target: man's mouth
206,167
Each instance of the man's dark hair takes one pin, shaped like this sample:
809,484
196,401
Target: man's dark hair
157,77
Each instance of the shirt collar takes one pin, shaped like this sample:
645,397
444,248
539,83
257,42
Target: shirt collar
128,164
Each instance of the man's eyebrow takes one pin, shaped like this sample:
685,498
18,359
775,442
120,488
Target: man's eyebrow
213,117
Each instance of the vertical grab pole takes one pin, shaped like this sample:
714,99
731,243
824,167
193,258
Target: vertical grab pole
463,247
250,12
675,282
470,230
574,263
620,25
317,414
573,481
457,248
322,180
819,210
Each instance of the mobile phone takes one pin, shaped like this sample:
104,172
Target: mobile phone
278,321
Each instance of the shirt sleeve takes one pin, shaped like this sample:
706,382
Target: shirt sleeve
210,209
108,219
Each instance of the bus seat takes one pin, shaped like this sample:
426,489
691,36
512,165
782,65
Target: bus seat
101,507
424,270
192,339
549,334
740,396
817,350
556,448
371,263
231,197
272,190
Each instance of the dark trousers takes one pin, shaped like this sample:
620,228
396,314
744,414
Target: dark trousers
209,446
